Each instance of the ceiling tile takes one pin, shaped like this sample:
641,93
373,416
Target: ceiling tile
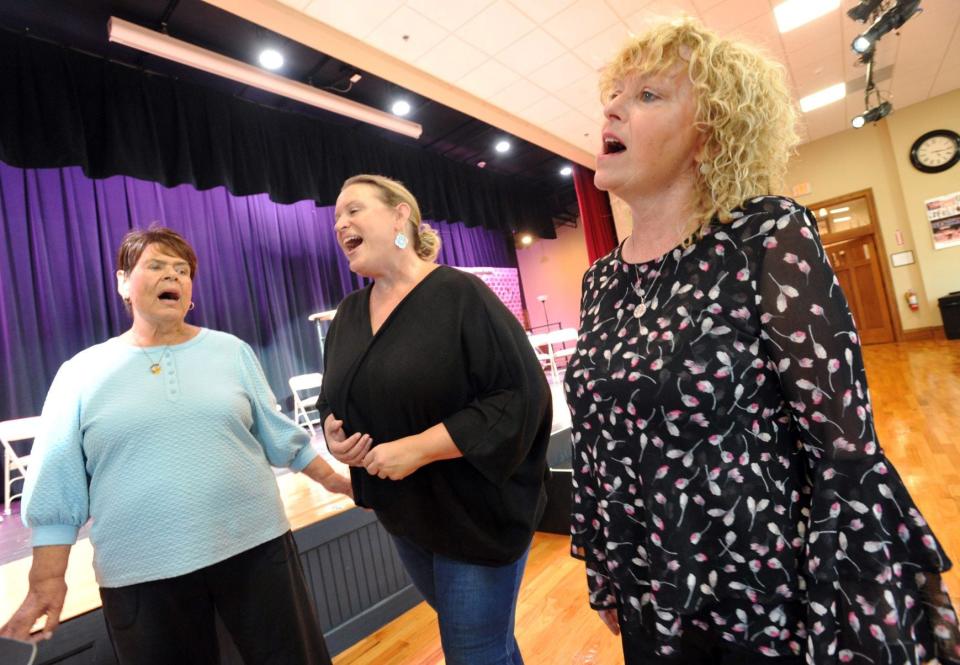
657,12
357,19
496,27
911,90
824,30
299,5
561,72
518,96
406,34
581,21
451,59
584,95
704,5
573,123
545,110
732,13
530,52
625,8
451,15
826,121
762,32
598,51
488,79
542,10
948,75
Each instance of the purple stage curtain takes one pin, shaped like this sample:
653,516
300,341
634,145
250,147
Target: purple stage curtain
263,269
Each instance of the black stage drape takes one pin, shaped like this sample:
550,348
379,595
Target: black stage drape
63,108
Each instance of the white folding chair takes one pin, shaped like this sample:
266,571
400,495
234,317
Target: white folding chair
305,399
15,464
544,351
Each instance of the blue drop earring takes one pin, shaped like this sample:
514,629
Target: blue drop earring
400,240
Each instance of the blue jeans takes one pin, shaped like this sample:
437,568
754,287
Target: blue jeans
475,604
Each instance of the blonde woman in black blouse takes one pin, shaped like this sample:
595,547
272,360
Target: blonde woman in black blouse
731,500
434,396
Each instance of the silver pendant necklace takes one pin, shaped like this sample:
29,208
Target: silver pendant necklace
642,308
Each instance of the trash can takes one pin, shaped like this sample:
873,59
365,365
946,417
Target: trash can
950,311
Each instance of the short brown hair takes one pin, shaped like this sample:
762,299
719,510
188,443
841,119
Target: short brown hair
136,241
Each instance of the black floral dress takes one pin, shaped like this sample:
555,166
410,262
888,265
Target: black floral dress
726,470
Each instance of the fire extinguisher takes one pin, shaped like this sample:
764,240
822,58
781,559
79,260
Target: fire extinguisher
912,300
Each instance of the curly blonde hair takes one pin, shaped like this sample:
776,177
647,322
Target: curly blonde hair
744,109
426,241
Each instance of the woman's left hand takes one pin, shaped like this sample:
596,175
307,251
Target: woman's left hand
394,460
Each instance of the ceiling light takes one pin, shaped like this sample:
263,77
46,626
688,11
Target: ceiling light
400,107
502,146
481,164
155,43
837,211
271,59
526,239
891,19
862,44
823,97
842,220
794,13
566,170
873,115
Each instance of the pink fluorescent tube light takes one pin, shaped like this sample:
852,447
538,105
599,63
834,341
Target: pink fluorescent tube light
155,43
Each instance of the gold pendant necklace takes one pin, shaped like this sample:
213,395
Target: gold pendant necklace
155,367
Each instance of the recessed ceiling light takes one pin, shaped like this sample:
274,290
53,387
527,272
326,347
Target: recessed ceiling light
794,13
526,239
481,164
837,211
502,145
400,107
566,170
271,58
823,97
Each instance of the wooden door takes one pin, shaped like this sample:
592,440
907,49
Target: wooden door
857,265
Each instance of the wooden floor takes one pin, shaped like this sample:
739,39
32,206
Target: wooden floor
916,400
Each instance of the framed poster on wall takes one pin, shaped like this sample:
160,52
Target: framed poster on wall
943,212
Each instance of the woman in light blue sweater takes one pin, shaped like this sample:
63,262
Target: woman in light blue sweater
164,437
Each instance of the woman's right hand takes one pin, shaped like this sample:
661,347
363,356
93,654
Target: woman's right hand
45,598
347,449
610,619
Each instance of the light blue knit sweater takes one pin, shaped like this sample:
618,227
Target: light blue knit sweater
173,468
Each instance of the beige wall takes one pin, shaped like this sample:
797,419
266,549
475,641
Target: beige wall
554,268
877,157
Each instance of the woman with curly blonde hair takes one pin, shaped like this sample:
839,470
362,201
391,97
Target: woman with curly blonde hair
731,501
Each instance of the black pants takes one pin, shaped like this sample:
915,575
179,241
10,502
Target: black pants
697,647
260,595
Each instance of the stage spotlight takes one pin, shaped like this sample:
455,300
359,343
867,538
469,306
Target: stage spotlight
891,19
271,58
873,115
862,12
400,107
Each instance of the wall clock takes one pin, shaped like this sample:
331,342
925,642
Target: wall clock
935,151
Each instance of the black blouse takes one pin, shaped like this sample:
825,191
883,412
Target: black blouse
726,470
450,352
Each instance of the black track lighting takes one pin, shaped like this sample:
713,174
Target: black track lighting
879,111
